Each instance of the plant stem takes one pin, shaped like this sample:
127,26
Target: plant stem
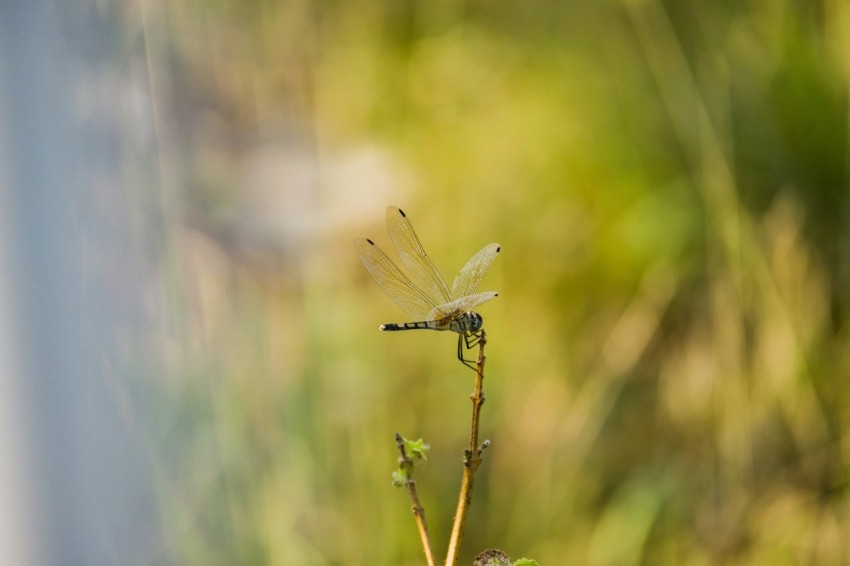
471,460
418,510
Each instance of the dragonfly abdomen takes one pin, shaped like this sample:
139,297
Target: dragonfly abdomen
466,323
423,325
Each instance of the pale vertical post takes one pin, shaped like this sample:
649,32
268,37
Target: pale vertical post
73,463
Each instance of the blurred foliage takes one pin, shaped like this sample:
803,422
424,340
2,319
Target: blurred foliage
669,353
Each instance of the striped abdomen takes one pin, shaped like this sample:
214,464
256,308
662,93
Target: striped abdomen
424,325
467,322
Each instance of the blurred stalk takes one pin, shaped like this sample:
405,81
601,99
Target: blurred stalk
418,510
471,460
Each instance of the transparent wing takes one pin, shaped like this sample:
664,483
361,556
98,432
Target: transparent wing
413,255
392,281
461,305
469,277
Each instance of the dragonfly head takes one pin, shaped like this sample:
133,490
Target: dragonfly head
475,321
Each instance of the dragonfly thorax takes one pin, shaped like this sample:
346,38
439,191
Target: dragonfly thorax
467,322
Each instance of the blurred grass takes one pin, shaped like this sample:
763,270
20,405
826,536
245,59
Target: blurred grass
669,352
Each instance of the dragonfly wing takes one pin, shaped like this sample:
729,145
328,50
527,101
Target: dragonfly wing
469,277
461,305
393,281
413,255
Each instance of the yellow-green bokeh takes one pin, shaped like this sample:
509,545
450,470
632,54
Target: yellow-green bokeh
668,356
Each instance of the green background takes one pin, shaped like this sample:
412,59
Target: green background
669,353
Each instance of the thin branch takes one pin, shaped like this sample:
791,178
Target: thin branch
471,459
418,510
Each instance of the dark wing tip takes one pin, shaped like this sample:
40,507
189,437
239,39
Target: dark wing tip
498,249
370,241
402,213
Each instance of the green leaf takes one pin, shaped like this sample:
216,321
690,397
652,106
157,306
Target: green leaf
399,478
526,562
416,449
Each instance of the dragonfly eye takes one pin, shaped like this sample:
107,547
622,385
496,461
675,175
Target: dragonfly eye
475,321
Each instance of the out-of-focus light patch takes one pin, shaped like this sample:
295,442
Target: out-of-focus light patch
629,337
293,195
789,525
206,275
277,205
687,380
536,421
837,19
789,312
357,182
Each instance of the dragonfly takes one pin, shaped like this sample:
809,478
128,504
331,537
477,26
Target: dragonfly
427,298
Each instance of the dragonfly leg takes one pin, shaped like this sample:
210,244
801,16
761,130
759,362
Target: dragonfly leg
469,340
473,338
